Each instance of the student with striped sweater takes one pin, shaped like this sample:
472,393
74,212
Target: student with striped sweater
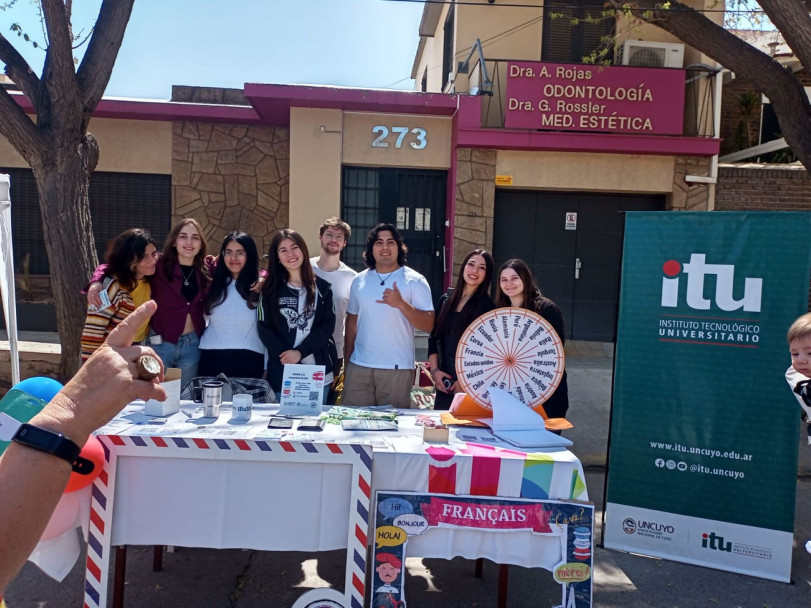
131,258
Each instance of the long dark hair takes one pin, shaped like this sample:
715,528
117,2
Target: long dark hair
278,276
466,316
368,255
532,294
125,251
169,257
247,276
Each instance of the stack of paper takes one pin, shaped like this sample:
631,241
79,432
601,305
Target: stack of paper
518,424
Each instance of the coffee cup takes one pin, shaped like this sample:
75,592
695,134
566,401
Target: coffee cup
241,407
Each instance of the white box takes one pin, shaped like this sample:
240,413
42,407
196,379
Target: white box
171,384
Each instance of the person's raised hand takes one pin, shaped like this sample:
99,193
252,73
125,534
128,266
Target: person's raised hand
109,378
392,297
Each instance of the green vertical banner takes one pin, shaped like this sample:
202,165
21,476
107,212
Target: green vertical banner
703,455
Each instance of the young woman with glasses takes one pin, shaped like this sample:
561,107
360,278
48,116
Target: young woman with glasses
231,345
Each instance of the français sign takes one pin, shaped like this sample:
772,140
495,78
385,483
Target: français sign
580,97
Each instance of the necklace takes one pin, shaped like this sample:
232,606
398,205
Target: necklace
382,280
186,278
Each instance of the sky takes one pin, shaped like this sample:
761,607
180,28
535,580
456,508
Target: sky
226,43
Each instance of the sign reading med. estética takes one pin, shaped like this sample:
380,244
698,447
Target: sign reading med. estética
578,97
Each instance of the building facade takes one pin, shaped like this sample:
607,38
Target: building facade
511,144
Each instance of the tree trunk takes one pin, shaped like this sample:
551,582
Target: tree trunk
64,185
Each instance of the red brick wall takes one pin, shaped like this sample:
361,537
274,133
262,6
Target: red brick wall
731,113
763,188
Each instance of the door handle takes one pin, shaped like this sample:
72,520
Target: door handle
444,259
577,266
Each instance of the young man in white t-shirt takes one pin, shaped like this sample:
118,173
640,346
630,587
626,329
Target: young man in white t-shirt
333,236
387,301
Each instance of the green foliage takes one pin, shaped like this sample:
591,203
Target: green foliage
15,27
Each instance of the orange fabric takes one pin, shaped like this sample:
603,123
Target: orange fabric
466,411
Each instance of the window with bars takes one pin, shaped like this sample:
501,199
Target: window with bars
361,210
118,201
573,29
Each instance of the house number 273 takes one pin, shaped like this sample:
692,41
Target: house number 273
418,133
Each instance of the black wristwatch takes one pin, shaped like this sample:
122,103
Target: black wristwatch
53,443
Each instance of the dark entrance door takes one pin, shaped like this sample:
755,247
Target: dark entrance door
412,200
577,267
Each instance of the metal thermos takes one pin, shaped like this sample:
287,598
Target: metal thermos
212,398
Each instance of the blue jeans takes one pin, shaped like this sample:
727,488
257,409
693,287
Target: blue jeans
184,355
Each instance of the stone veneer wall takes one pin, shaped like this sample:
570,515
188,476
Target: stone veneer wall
689,196
231,177
475,202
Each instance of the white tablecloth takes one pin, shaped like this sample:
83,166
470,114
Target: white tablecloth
223,503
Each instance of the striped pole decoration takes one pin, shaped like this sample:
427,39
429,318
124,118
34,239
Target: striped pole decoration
103,495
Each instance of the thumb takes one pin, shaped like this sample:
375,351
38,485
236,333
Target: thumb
394,286
124,332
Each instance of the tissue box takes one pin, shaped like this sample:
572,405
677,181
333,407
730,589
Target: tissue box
171,384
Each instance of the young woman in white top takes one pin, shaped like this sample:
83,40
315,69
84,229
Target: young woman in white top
230,344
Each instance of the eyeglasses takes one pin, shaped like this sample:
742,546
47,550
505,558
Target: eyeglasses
333,236
233,254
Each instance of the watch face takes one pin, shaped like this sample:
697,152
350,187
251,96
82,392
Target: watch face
46,440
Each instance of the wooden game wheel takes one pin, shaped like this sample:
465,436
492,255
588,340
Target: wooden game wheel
513,349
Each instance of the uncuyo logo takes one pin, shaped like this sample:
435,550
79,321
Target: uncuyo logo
696,269
629,526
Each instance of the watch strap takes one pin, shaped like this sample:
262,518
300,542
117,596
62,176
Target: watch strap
53,443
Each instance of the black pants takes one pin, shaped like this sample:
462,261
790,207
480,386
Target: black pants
233,362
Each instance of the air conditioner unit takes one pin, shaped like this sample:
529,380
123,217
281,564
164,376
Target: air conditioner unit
641,53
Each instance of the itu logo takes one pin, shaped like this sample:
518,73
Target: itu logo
716,542
696,269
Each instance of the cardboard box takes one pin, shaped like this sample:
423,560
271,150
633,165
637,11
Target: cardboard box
171,384
435,435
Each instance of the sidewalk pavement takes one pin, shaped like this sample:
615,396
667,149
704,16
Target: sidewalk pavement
249,579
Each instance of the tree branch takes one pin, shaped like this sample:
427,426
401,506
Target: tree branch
767,75
99,59
19,129
794,22
60,44
19,71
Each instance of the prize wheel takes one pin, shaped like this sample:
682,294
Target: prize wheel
513,349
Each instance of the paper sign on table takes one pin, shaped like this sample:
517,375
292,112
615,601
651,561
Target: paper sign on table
515,423
302,390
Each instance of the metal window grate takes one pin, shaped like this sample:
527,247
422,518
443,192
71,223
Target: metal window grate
117,201
361,209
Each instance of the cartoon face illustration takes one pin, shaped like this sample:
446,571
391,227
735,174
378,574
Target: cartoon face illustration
387,572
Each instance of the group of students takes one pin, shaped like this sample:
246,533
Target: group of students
218,315
225,315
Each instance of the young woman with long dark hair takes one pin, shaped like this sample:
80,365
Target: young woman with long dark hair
131,260
296,314
230,344
179,287
455,311
517,288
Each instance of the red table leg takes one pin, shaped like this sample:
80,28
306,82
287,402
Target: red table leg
119,576
503,581
157,558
